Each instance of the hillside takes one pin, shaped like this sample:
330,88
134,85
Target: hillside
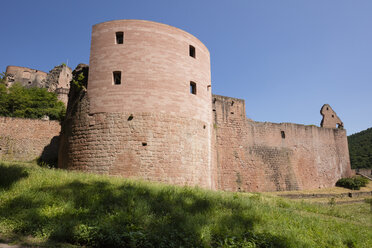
83,209
360,148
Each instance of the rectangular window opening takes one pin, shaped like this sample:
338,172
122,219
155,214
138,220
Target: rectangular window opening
192,51
119,37
283,134
117,77
193,88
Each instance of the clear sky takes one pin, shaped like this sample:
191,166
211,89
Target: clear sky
284,58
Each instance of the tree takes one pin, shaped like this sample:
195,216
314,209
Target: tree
3,100
18,101
2,78
360,147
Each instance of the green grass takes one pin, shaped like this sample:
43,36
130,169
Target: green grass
84,209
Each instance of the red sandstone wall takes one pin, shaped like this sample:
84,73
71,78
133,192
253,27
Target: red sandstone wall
26,76
27,139
18,70
112,143
363,171
156,70
253,156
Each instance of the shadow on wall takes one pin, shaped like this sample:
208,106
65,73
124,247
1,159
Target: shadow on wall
100,214
11,175
50,153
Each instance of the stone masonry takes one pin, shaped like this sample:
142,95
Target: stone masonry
330,118
263,156
26,139
147,110
25,76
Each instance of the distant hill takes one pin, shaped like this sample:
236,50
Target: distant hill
360,148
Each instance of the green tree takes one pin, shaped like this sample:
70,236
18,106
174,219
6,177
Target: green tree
2,78
34,102
3,100
360,148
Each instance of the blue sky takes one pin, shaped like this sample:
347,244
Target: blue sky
284,58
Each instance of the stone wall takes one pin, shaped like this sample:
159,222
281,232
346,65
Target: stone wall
257,156
363,171
26,76
27,139
153,146
58,81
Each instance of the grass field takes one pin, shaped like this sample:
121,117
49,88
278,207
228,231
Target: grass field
48,206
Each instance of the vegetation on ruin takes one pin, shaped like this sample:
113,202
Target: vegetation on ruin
83,209
79,81
2,77
354,183
19,101
80,78
360,148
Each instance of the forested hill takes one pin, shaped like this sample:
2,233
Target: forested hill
360,147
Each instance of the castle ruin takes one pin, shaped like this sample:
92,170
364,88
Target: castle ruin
148,112
57,80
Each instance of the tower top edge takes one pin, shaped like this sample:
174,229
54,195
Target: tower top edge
151,22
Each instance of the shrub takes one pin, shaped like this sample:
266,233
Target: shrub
353,183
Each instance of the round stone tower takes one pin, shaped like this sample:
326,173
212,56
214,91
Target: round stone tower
147,110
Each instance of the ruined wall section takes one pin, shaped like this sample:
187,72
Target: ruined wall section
27,139
257,156
58,81
25,76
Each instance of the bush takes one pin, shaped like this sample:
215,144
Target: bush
353,183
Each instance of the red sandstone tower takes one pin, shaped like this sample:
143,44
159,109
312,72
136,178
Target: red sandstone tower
147,112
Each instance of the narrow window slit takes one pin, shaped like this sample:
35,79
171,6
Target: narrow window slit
283,134
117,77
119,37
193,87
192,51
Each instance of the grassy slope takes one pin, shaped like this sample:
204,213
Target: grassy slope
360,148
77,208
